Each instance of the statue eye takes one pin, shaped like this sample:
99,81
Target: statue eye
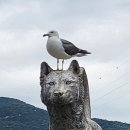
68,82
51,83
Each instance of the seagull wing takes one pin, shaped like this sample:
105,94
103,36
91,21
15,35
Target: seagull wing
69,47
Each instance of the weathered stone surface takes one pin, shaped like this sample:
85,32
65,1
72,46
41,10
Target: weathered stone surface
66,95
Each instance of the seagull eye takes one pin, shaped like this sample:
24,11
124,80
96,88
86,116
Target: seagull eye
51,83
68,82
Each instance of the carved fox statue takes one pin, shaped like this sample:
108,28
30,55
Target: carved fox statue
66,95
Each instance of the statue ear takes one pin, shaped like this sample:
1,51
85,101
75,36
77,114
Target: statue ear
45,70
74,66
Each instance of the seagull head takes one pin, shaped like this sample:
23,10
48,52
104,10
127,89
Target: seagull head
51,34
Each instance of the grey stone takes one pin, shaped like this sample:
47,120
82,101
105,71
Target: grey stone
66,95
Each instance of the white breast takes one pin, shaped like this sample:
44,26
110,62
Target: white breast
55,48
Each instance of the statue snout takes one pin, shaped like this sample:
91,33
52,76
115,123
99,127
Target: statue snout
58,94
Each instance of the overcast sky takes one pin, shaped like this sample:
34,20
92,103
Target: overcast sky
99,26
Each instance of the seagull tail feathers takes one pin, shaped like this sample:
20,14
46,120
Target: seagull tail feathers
84,52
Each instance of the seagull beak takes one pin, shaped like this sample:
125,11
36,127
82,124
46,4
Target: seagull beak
45,35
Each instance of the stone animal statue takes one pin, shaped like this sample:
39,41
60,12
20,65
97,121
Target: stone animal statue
66,95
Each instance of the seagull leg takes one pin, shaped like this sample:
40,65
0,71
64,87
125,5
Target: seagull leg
57,64
62,63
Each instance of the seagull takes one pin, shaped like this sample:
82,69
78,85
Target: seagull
62,49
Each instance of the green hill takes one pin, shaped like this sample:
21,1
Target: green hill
112,125
17,115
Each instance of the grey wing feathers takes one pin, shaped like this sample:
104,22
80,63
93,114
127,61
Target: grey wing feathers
71,49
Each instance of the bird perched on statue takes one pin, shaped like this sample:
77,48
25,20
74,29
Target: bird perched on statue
62,49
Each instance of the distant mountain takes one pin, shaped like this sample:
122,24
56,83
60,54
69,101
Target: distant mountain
17,115
112,125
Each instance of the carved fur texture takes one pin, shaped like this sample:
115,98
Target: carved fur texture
66,95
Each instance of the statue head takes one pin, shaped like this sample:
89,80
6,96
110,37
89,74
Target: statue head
60,87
